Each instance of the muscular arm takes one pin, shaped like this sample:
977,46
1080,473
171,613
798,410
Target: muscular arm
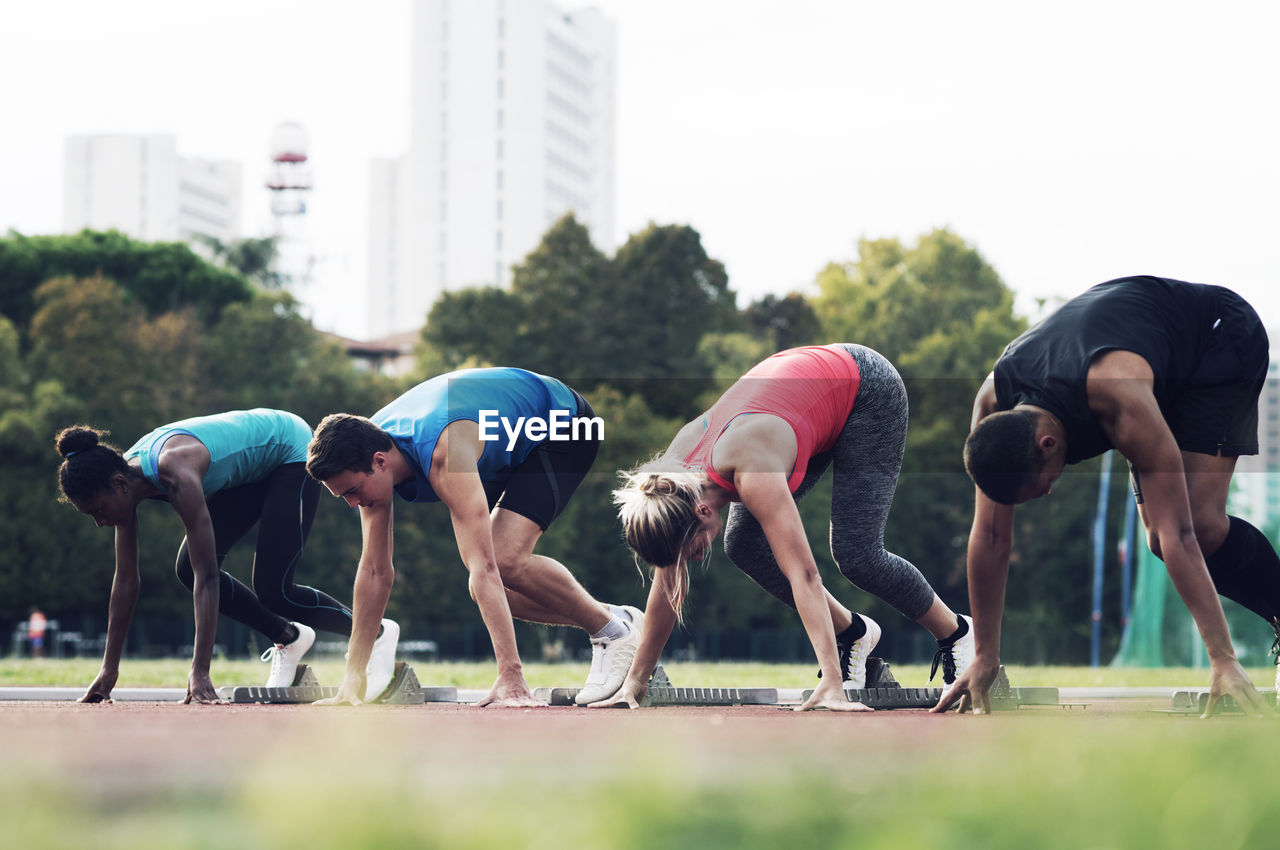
375,576
455,479
182,466
1121,397
659,620
766,496
124,593
990,543
124,596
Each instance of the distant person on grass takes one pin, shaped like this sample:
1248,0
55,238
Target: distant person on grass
1168,373
483,442
37,625
221,474
760,449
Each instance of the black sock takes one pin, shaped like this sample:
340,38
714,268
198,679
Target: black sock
960,632
381,629
289,635
1246,569
853,633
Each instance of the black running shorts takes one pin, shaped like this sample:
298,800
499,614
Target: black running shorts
540,487
1216,412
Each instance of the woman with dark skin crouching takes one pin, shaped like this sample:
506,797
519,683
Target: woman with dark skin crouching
222,474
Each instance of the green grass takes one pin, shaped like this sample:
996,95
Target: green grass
652,780
474,675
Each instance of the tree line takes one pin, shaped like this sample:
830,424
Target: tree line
100,329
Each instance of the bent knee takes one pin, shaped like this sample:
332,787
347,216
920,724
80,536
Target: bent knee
271,597
512,564
1153,543
1211,529
854,557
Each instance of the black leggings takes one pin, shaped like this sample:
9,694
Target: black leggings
284,504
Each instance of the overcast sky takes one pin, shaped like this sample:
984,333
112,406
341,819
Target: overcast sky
1070,143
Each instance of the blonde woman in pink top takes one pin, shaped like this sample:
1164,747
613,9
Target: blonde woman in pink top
759,450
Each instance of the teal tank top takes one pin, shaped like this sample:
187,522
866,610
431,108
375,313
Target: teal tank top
244,445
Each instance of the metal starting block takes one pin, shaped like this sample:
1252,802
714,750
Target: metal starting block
710,696
404,689
1195,702
884,692
662,693
1006,698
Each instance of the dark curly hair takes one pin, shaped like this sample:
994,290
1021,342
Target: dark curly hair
88,463
1000,454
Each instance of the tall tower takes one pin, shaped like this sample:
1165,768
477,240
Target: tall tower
289,182
511,127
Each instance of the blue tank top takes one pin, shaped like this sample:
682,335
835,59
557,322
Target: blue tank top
244,446
416,419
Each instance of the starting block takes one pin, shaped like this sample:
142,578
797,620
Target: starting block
662,693
884,692
1195,702
404,689
1005,698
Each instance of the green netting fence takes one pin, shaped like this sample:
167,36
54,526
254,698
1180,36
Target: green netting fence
1161,632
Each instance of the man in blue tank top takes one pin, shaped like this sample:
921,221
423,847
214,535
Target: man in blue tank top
1168,373
503,449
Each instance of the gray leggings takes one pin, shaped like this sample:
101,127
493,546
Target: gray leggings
867,457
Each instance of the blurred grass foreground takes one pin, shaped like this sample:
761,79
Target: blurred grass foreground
132,777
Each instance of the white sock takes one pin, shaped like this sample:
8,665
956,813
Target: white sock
614,629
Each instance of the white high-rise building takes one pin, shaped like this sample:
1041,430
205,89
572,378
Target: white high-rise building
512,126
140,186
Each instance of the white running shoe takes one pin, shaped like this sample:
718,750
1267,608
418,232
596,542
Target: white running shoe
382,661
611,660
955,657
853,658
284,657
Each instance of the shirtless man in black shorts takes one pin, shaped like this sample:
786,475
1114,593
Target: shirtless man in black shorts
1168,373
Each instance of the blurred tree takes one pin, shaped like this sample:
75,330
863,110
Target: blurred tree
263,353
253,259
565,288
786,322
669,295
161,276
472,324
93,338
632,322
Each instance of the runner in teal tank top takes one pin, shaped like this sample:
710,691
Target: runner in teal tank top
244,446
222,474
503,449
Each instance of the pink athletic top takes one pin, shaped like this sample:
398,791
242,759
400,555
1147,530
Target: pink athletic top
812,388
